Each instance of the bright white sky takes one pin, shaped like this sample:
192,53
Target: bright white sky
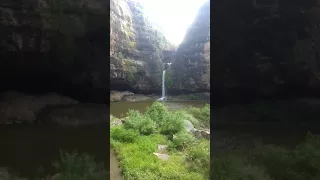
172,16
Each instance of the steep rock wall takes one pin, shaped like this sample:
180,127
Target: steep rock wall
264,49
61,46
190,69
137,49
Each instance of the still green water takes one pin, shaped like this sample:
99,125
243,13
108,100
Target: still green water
119,109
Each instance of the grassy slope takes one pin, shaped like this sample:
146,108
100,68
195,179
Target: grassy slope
137,140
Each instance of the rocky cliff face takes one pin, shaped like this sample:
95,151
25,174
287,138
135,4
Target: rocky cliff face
264,48
190,69
61,46
136,49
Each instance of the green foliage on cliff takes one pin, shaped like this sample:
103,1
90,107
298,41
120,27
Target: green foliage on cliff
160,126
168,80
132,44
131,78
120,55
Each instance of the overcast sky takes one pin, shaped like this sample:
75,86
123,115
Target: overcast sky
172,16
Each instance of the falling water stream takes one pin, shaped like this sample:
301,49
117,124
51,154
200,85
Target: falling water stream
163,85
163,96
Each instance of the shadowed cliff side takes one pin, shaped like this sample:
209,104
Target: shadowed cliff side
136,49
190,69
55,46
264,49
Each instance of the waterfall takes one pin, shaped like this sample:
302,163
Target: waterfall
163,84
163,97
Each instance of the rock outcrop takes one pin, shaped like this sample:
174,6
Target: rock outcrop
190,69
136,49
18,108
58,46
264,49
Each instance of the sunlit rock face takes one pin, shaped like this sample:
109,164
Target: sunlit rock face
136,49
264,48
51,45
190,69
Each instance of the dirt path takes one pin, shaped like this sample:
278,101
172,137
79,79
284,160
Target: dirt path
115,171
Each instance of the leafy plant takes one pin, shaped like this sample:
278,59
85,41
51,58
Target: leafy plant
140,123
201,114
123,135
73,166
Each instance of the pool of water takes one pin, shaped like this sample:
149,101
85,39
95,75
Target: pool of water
30,150
119,109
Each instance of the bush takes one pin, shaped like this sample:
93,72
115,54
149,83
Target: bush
157,112
202,114
271,162
123,135
182,139
172,123
143,124
73,166
198,155
303,162
234,167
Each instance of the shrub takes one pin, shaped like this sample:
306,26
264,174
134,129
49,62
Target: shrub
181,139
271,162
79,166
202,114
195,122
172,123
234,167
157,112
303,162
123,135
198,155
143,124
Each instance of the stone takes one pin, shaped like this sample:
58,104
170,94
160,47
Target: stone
23,108
162,156
4,174
205,134
201,133
75,115
188,125
162,148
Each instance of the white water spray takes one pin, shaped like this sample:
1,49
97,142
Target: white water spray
163,84
163,97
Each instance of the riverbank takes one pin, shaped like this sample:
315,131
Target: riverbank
156,144
127,96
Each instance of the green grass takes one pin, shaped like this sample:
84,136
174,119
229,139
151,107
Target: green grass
137,140
73,166
270,162
202,115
